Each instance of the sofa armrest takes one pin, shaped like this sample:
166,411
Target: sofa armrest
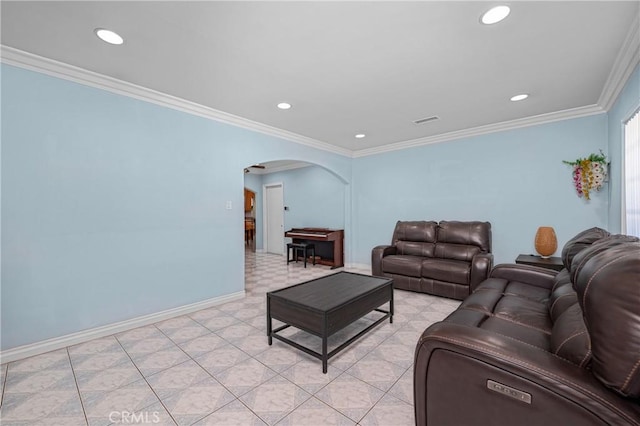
532,275
455,363
480,268
376,258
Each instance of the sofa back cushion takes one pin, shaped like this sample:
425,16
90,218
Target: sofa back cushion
569,337
562,295
416,238
578,243
608,288
456,251
581,258
463,240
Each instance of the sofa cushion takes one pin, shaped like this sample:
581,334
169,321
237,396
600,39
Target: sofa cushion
609,294
517,331
493,284
415,248
512,287
468,233
569,337
563,277
486,296
448,270
578,243
518,315
561,298
523,311
537,294
456,251
402,265
415,238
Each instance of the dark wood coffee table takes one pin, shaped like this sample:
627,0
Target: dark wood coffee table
326,305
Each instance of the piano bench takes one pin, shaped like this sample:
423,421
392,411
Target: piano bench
295,248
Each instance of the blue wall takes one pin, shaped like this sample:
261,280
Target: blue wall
628,101
514,179
314,196
113,208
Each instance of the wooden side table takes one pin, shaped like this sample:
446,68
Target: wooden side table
554,263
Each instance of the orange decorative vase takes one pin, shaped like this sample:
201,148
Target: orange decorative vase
546,242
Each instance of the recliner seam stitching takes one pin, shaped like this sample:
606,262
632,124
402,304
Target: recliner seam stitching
584,295
627,382
556,301
491,314
586,356
520,296
567,339
526,343
522,324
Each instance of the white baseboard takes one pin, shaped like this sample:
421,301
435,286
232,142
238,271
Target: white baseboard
359,266
55,343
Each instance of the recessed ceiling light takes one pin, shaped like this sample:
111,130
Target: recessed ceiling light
495,15
521,97
360,135
284,105
109,36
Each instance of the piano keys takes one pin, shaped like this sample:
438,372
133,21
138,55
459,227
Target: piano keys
329,243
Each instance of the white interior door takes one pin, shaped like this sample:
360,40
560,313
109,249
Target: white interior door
274,218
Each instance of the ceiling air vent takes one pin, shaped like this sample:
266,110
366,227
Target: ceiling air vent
426,120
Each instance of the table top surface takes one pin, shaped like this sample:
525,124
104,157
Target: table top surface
539,259
331,291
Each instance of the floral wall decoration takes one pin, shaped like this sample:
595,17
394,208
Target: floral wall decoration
589,173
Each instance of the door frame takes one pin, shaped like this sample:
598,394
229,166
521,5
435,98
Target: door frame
254,205
266,218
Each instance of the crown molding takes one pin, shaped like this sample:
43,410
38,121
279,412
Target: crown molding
627,60
483,130
30,61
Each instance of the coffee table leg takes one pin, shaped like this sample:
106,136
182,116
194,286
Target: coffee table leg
391,307
269,325
324,354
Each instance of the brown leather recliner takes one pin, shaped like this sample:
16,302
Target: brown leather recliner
534,347
445,259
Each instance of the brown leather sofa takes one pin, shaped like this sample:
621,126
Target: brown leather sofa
537,347
445,259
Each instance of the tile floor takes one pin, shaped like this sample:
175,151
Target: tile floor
214,367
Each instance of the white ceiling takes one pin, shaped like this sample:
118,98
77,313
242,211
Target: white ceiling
347,67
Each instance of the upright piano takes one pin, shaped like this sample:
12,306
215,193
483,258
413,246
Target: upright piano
329,243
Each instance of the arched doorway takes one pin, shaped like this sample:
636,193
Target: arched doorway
313,196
